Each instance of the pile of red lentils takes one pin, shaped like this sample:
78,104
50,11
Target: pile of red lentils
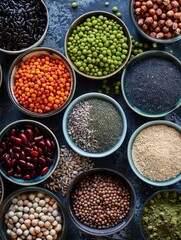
101,201
42,84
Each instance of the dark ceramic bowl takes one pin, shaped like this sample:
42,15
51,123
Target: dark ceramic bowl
1,190
55,158
29,190
107,231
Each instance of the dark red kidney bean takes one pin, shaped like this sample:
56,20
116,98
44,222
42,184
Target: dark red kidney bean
1,151
16,148
29,134
26,177
6,156
39,138
34,153
12,132
41,144
48,143
13,162
16,140
42,160
16,155
35,148
40,151
24,139
28,158
30,165
10,172
11,153
27,150
22,155
28,126
22,162
22,131
49,160
44,170
32,144
49,154
18,169
33,174
37,131
34,159
3,146
17,175
53,144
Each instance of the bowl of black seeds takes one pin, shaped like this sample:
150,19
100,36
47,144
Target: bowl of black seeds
1,190
151,83
94,125
101,201
23,25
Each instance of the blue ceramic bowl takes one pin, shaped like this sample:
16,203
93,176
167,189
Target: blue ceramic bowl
141,57
130,159
107,231
30,190
39,178
84,97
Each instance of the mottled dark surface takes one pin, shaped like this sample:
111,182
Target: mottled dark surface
61,16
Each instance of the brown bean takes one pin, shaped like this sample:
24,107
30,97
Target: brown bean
44,170
24,139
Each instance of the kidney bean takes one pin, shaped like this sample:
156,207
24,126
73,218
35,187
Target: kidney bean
39,138
16,148
44,170
37,131
17,175
28,158
3,146
49,160
16,140
49,154
53,144
34,153
12,132
40,151
35,148
30,165
22,162
29,134
18,169
34,159
48,143
42,160
32,144
16,155
33,174
13,162
41,144
1,151
26,177
22,155
10,172
11,153
27,150
23,137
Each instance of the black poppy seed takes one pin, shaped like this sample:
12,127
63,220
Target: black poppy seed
153,85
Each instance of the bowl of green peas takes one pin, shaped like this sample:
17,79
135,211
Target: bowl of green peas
98,45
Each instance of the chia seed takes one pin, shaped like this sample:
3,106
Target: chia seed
95,125
154,85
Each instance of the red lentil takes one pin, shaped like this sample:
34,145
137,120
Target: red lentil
42,84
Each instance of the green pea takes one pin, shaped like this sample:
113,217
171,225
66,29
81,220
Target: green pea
74,4
106,4
114,9
118,14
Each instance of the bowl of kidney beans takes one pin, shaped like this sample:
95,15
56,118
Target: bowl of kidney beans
23,25
29,152
101,201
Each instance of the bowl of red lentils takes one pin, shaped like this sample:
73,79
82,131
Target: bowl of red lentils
101,201
41,82
158,21
29,152
154,153
33,213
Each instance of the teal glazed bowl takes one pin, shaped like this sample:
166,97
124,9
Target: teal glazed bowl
1,190
170,181
28,163
1,75
30,191
69,110
130,68
151,207
105,231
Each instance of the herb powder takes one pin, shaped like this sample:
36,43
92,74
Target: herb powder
153,85
95,125
156,152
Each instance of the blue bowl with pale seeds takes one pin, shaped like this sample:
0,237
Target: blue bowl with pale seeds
94,125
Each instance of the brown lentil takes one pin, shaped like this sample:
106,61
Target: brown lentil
101,201
156,152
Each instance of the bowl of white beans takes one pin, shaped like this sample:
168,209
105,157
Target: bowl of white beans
32,213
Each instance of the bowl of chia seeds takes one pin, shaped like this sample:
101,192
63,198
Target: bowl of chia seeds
154,153
160,215
94,125
23,25
101,202
151,84
1,190
98,45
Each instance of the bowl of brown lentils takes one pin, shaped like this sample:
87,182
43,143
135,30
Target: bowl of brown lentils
32,213
101,201
157,20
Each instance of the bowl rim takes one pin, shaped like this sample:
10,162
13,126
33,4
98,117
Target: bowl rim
36,43
163,41
145,55
153,195
129,153
105,98
50,133
20,191
2,190
1,75
107,231
83,17
10,82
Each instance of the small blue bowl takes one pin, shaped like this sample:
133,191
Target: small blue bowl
95,96
129,153
39,178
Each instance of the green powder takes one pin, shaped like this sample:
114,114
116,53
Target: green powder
161,217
